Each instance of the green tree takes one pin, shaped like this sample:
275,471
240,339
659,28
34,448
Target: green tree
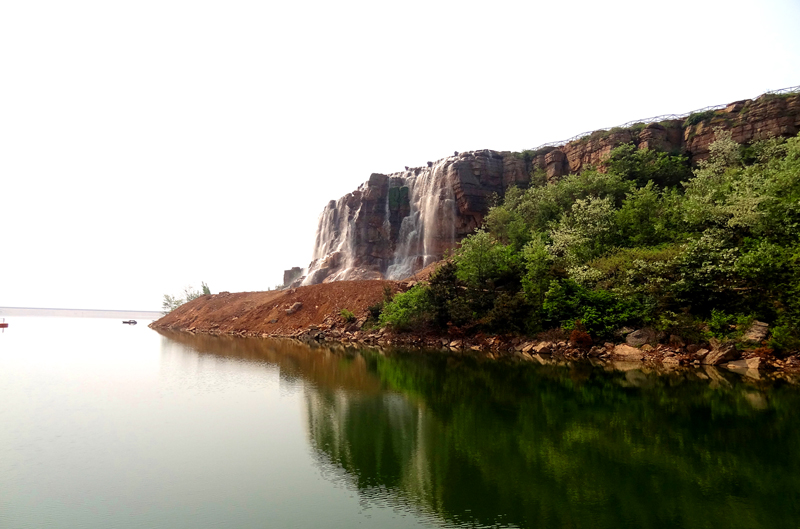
646,165
170,303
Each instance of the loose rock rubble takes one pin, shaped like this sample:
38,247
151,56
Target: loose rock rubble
313,315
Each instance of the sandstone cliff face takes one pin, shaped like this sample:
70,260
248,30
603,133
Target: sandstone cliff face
748,120
395,224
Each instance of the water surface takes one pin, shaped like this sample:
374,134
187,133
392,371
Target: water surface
106,425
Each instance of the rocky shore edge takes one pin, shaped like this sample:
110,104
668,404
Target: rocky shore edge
639,347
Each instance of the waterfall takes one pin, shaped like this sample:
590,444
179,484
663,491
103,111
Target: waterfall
334,246
354,234
429,229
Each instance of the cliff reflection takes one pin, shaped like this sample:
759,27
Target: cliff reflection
332,368
488,444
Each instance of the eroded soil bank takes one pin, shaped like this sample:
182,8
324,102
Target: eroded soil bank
313,314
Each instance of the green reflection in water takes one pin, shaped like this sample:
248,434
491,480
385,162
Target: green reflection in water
493,444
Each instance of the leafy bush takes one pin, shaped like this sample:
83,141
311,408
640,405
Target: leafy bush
482,261
507,313
585,232
599,311
720,324
785,338
448,297
170,303
580,339
646,165
408,309
347,315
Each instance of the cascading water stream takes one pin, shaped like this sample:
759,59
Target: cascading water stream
430,226
346,227
334,242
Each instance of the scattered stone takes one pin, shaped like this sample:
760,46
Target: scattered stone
640,337
746,363
675,341
596,351
294,308
627,353
721,352
692,348
623,331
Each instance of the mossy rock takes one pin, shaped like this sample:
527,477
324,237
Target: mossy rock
398,197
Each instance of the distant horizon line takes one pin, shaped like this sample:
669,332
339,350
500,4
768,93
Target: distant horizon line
94,310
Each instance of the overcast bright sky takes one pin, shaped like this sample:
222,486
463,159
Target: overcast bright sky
150,145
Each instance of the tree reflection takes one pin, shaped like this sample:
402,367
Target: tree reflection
572,445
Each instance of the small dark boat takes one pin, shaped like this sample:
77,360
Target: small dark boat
130,322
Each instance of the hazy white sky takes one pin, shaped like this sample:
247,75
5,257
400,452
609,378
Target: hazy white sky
149,145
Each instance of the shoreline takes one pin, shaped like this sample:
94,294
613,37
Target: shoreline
311,314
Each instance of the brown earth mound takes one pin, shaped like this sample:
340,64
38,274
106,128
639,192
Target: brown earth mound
275,312
312,313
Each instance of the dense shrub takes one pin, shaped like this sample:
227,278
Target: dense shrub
408,309
580,339
600,312
646,243
646,165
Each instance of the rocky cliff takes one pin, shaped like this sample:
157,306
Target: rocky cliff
395,224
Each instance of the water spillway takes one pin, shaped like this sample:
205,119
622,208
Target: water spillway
396,224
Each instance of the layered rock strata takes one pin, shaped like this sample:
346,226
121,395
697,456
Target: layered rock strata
395,224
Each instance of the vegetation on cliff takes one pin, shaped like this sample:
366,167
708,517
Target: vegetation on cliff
171,303
641,240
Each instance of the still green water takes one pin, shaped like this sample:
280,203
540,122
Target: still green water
105,425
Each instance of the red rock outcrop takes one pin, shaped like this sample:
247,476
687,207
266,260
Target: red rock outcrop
749,120
395,224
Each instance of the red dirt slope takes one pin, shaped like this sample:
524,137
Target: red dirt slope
257,313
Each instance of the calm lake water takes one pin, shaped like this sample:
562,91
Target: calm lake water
105,425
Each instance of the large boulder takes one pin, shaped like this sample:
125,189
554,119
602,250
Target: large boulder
749,363
721,352
294,308
641,337
627,353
